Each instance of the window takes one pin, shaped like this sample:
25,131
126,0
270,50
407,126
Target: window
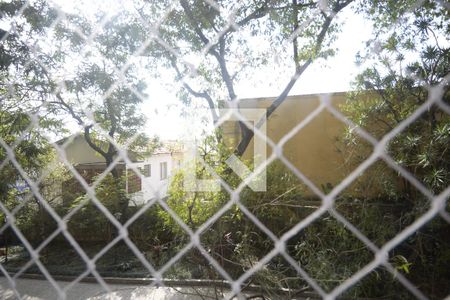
147,170
163,170
134,182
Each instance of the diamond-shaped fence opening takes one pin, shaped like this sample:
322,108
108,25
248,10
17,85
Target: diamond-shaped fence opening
325,151
108,263
83,220
324,195
329,252
279,280
158,247
57,255
424,160
381,214
391,286
193,265
229,247
429,240
287,201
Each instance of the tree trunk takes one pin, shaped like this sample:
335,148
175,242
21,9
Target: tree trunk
122,201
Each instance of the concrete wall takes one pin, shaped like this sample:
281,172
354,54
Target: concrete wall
313,150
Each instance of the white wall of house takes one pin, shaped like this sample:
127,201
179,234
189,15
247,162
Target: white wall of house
157,182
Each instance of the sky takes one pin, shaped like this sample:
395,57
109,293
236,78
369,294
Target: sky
333,75
163,109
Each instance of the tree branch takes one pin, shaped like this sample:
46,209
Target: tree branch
197,94
243,144
186,7
87,137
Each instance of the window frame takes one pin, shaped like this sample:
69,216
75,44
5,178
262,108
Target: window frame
147,170
163,170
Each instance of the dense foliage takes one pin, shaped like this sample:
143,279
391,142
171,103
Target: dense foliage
410,69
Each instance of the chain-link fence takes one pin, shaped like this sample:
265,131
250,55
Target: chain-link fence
253,210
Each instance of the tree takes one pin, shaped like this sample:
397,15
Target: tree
103,101
25,121
410,60
198,30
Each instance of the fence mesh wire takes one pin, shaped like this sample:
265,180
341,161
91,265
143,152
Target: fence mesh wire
328,198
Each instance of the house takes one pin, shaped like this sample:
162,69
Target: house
153,176
155,173
84,158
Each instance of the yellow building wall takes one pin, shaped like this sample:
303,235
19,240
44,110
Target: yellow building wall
313,150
